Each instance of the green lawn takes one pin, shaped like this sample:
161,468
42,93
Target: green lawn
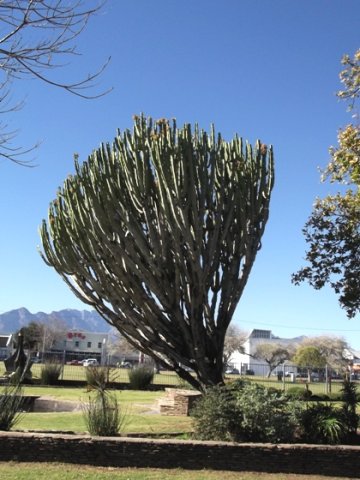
140,419
39,471
81,393
134,423
139,407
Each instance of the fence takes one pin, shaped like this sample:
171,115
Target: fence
284,377
318,380
77,373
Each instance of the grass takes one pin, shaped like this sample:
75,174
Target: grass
138,406
138,403
146,398
39,471
74,422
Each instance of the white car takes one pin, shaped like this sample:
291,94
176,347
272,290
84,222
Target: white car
90,362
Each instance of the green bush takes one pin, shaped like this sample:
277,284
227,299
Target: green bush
298,393
348,409
183,384
102,413
140,377
10,404
243,411
321,423
334,396
275,391
97,378
319,397
50,373
215,415
103,416
264,415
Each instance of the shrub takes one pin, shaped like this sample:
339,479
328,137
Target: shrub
97,378
321,423
348,409
215,415
102,413
334,396
242,411
10,403
140,377
183,384
275,391
103,416
298,393
264,415
50,373
319,397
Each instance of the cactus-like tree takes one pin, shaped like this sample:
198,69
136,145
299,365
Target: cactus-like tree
158,232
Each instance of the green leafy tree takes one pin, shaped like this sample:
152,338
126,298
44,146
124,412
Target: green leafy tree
41,337
273,354
234,341
333,349
158,232
333,229
309,357
33,335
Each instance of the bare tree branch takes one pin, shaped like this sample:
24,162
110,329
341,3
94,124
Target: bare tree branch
35,39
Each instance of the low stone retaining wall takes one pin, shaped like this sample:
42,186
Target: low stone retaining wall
342,461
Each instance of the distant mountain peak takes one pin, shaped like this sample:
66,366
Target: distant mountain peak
86,320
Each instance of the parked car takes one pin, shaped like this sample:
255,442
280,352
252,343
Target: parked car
36,360
124,365
232,371
74,362
90,362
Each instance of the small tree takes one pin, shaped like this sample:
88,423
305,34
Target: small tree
118,346
41,337
234,341
158,233
274,354
309,358
33,335
333,349
333,229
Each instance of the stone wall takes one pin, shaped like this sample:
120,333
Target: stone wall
178,401
342,461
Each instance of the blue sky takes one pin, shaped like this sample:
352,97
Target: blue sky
264,69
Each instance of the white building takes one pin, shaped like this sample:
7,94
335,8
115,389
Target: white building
6,346
78,344
246,363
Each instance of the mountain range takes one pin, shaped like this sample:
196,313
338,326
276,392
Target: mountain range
89,321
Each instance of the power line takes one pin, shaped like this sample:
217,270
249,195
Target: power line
301,328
